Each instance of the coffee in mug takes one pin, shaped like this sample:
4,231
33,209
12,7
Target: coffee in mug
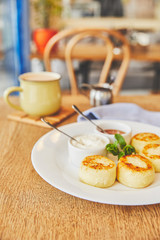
40,93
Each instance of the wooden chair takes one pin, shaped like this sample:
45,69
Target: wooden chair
90,51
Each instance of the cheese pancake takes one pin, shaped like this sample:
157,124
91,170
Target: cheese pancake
141,139
98,171
135,171
152,152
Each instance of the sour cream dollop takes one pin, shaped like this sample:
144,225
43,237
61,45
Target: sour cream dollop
89,141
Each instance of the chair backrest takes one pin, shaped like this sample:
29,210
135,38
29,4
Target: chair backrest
76,35
107,63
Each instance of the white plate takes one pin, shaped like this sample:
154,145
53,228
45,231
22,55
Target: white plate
50,160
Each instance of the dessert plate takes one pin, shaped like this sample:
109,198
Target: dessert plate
50,160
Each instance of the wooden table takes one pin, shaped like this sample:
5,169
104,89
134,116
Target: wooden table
32,209
87,52
140,24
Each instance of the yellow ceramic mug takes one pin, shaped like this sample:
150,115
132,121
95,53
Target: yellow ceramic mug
40,93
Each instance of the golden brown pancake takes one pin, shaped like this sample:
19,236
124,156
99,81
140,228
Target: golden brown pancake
139,140
135,171
152,152
98,171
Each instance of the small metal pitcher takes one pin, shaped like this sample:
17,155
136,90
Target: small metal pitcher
99,94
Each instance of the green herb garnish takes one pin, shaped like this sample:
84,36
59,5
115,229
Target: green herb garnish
128,150
120,140
121,154
119,147
113,148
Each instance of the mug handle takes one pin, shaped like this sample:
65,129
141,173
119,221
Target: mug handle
7,92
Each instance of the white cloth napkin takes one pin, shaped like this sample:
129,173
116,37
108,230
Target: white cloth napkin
123,111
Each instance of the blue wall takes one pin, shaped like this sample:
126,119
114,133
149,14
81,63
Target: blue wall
16,37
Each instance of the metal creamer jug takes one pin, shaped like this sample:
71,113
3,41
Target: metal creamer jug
99,94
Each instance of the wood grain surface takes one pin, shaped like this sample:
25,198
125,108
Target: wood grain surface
32,209
54,119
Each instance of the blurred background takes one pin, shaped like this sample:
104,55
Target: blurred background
20,20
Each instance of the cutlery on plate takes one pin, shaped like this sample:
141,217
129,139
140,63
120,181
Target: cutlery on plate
43,120
81,113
